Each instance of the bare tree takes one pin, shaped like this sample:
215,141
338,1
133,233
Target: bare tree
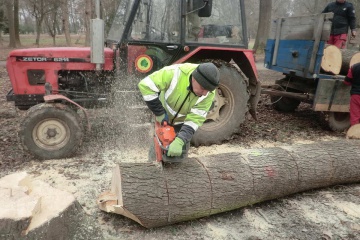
16,23
305,7
12,12
109,8
26,19
39,9
252,17
263,26
65,21
88,15
2,20
51,20
10,16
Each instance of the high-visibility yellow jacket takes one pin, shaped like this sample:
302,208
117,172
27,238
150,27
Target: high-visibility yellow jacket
170,87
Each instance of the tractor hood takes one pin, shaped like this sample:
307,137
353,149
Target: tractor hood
60,55
65,52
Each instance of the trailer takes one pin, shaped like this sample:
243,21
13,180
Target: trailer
296,47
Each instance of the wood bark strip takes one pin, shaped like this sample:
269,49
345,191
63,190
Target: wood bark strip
155,195
332,60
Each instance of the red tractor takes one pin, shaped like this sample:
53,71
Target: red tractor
53,83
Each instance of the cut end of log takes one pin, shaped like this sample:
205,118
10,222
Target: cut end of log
355,59
112,201
353,132
35,210
33,200
331,60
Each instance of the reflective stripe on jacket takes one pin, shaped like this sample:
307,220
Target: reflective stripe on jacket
172,84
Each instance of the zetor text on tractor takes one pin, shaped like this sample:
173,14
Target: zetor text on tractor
52,84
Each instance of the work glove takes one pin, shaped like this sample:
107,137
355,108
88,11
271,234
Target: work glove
162,118
175,148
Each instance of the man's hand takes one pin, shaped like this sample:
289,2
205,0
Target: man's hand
175,148
163,117
353,33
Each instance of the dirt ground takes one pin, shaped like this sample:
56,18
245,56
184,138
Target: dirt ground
331,213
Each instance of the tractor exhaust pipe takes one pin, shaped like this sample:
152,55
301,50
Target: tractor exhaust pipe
97,36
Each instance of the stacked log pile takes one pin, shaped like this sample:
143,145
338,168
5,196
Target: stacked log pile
338,61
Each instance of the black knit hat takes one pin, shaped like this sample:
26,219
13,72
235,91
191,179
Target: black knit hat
207,75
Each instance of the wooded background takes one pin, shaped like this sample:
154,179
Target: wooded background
67,17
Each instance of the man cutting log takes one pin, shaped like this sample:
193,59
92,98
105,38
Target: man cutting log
181,95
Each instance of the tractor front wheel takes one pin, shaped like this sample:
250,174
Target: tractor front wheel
51,131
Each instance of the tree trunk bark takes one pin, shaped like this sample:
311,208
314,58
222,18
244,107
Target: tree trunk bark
155,195
263,26
346,57
88,15
65,21
316,6
38,31
16,23
332,59
349,58
10,14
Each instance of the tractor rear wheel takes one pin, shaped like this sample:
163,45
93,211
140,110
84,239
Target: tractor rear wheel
51,131
228,110
339,121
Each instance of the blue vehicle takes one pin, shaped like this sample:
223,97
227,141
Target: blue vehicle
295,47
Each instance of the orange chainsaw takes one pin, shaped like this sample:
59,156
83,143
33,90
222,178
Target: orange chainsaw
164,135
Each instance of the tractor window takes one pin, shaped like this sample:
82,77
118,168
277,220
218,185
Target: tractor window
36,77
157,21
224,26
119,23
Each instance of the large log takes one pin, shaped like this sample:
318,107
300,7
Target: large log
32,209
332,60
349,58
156,195
353,132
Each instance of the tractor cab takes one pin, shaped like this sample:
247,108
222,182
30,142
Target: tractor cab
159,34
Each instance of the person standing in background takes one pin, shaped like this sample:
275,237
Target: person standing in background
344,17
